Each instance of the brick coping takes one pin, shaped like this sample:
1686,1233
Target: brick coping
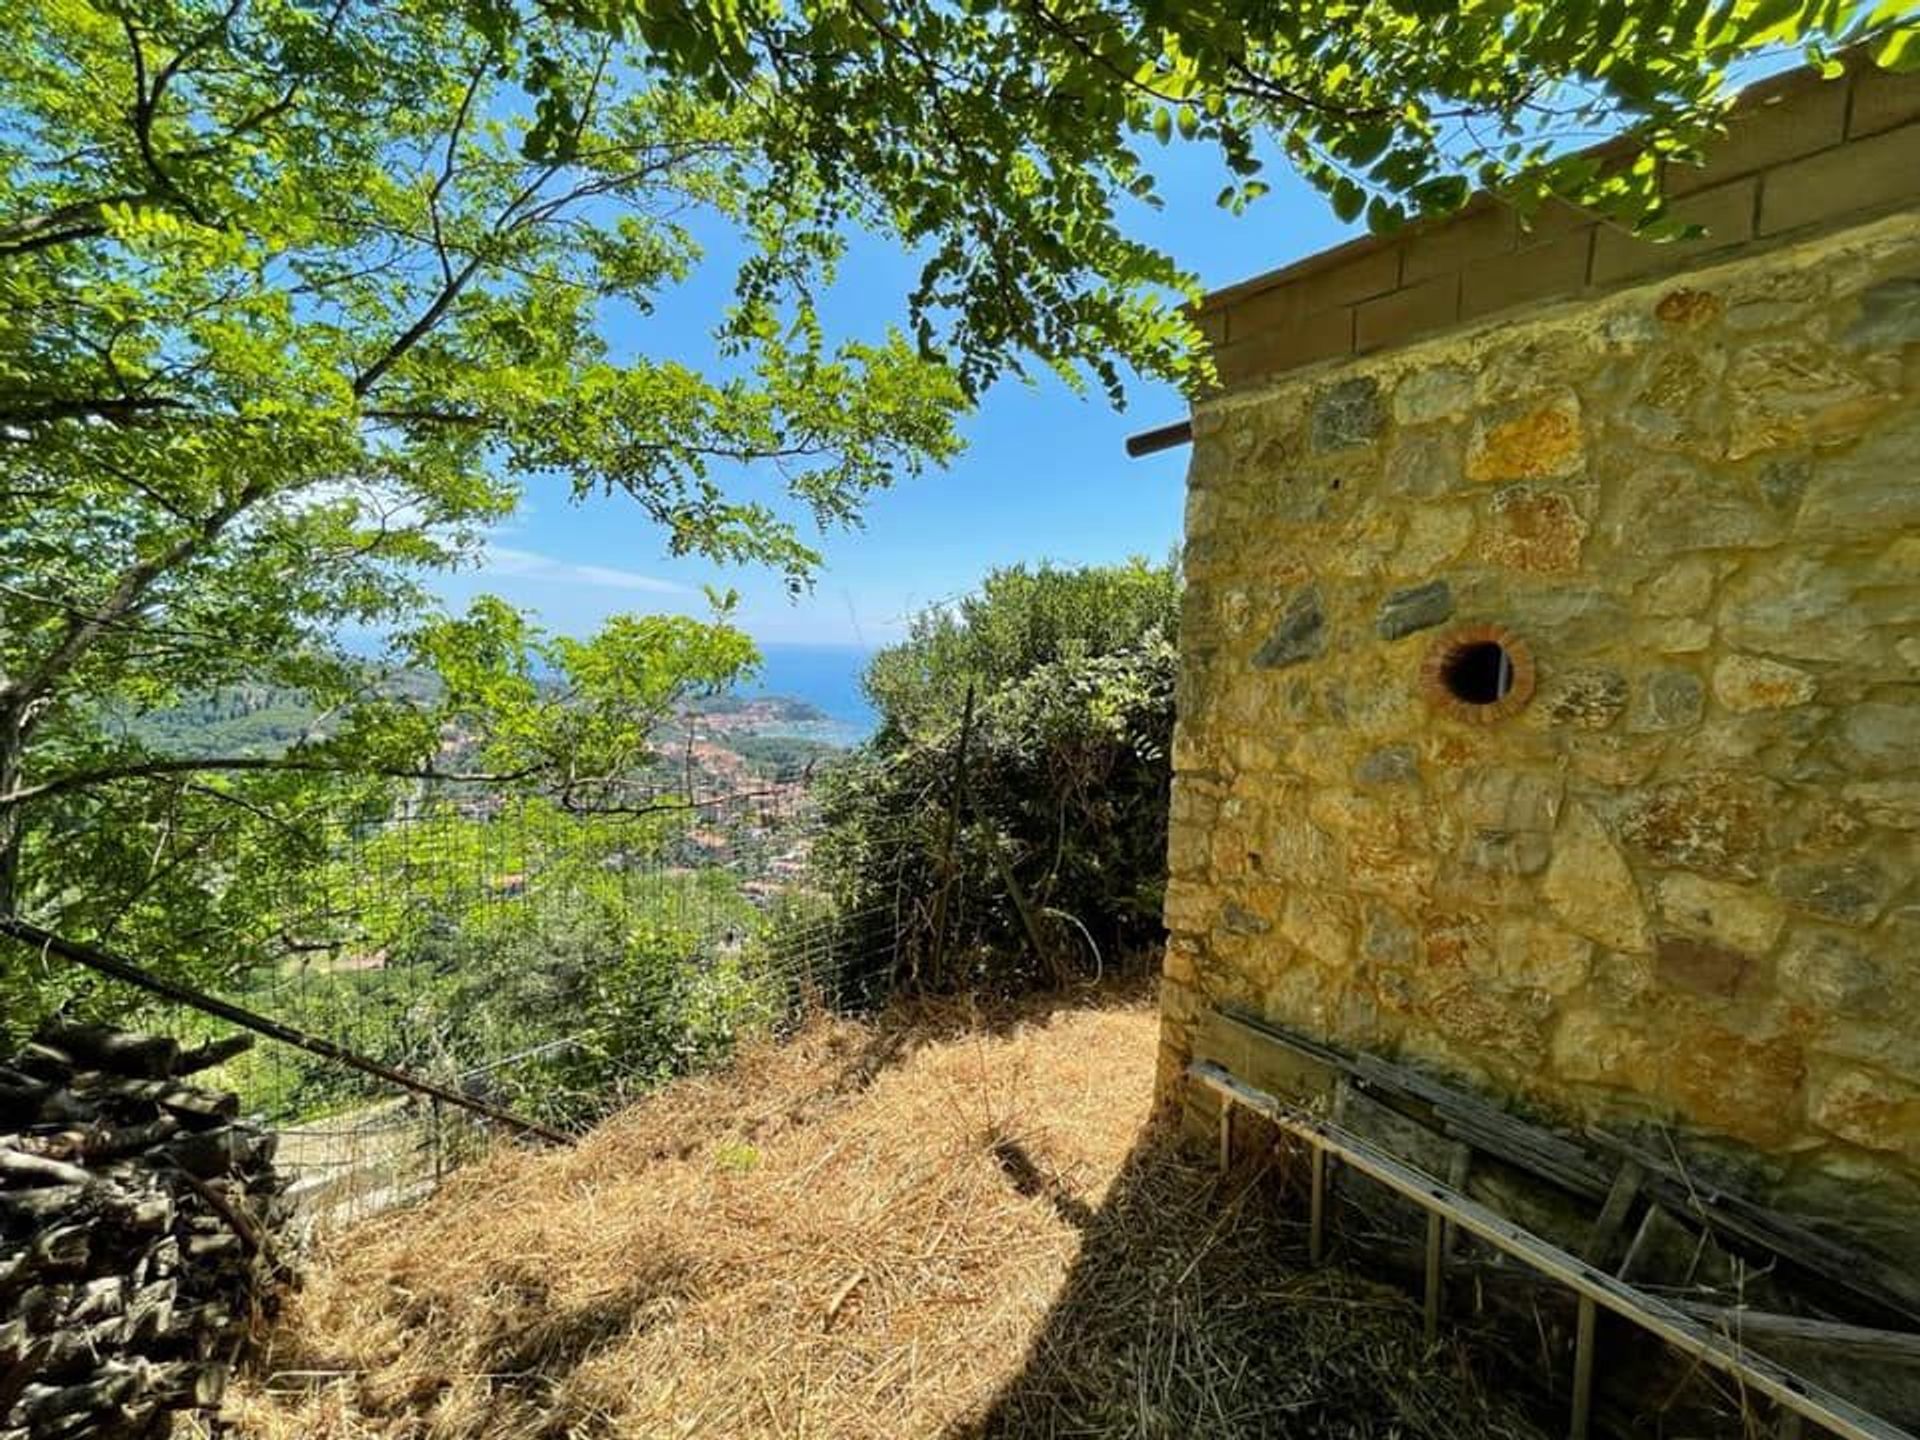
1838,151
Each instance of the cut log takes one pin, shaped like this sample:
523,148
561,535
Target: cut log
115,1382
44,1062
20,1096
122,1052
97,1300
20,1168
16,1376
186,1103
201,1248
59,1247
101,1145
214,1052
208,1154
30,1209
134,1215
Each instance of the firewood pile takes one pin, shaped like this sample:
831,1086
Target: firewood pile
137,1233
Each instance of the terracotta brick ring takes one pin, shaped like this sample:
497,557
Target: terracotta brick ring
1438,674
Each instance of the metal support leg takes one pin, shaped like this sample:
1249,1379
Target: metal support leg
1317,1209
1435,1240
1583,1369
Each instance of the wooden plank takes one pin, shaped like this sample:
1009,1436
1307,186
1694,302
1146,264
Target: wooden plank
1459,1166
1860,1275
1430,1311
1651,1313
1568,1165
1455,1113
1317,1211
1642,1243
1604,1238
1896,1346
1583,1341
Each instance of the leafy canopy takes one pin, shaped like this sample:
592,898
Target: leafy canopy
999,134
295,300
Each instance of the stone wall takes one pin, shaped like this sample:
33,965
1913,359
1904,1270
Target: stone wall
1680,879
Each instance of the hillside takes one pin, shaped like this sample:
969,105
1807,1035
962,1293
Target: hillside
941,1224
734,739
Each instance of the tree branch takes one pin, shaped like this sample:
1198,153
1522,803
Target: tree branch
121,410
127,593
418,330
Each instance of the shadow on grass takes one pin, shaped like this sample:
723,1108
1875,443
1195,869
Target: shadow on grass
507,1374
1190,1312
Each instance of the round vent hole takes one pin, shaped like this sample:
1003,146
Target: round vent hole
1479,673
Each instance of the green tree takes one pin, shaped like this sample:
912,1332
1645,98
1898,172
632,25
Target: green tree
294,300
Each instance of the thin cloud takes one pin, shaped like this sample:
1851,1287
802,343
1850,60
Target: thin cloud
532,565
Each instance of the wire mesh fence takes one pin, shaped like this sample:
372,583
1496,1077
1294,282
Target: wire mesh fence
549,962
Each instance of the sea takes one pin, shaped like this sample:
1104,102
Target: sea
826,677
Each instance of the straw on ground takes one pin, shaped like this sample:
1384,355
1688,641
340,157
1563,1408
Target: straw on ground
942,1223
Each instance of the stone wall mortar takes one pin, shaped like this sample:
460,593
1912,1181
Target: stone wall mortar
1682,884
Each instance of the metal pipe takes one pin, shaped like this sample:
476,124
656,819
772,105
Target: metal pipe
1166,437
125,970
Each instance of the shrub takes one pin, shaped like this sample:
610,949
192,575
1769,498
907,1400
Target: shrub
1058,861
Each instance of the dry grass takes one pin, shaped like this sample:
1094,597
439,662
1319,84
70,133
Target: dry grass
939,1225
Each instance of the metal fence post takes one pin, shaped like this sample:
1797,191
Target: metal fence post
955,801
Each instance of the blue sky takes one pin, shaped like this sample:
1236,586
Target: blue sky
1044,475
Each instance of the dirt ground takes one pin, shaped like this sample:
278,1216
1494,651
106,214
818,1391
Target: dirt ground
944,1223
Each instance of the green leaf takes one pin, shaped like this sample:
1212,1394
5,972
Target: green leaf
1900,51
1348,200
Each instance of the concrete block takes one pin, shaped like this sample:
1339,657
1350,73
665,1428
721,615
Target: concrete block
1413,310
1286,347
1882,100
1540,272
1360,278
1878,170
1726,211
1807,116
1487,229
